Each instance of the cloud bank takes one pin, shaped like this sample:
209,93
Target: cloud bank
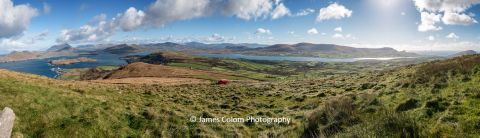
162,12
450,12
14,19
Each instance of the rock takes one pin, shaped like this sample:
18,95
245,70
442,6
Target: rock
7,118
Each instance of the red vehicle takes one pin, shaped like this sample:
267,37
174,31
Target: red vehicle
223,82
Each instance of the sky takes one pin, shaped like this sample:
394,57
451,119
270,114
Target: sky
431,25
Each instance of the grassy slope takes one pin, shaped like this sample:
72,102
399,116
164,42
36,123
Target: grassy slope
435,99
54,108
365,105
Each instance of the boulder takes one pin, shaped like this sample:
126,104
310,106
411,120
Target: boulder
7,118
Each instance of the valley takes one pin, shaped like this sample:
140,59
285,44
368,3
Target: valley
239,69
156,94
181,65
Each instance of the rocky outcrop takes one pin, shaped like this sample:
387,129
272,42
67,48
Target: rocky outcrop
7,118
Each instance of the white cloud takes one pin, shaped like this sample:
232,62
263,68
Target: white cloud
215,38
46,8
277,2
14,19
428,22
452,18
98,30
165,11
23,43
280,11
98,18
428,5
445,5
403,13
262,31
158,14
333,11
304,12
12,45
248,9
131,19
431,38
338,29
162,12
337,35
341,36
452,36
312,31
451,12
350,36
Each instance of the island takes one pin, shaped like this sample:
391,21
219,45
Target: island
70,61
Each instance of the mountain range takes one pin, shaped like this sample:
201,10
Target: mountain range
329,50
300,49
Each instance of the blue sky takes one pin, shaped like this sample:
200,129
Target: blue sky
401,24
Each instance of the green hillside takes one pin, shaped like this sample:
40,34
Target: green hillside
434,99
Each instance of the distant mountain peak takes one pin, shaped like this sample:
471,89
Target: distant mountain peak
60,47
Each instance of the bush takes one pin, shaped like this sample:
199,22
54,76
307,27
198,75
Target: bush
438,105
407,105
